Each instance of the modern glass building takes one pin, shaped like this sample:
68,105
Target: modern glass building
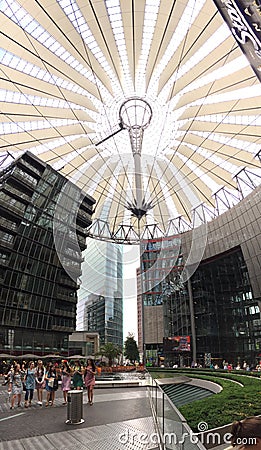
215,314
161,264
100,305
227,316
40,256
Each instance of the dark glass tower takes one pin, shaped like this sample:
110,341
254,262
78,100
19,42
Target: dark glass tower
40,256
104,315
220,310
227,316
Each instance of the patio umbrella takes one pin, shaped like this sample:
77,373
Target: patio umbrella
27,356
76,357
51,356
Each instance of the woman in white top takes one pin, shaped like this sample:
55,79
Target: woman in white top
40,381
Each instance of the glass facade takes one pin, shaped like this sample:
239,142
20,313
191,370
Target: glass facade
177,312
161,265
221,305
37,294
100,304
227,317
159,257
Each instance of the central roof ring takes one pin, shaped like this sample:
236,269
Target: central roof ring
134,113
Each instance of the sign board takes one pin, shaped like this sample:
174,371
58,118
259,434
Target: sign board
244,20
177,344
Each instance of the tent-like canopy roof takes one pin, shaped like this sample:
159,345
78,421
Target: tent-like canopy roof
74,72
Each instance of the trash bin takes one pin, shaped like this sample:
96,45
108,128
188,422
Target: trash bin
75,407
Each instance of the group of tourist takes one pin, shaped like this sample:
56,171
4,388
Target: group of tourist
245,434
27,378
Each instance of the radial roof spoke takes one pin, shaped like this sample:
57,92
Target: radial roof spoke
71,72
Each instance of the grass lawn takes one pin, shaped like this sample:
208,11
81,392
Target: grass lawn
234,402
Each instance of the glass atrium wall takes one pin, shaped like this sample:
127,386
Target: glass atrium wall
226,314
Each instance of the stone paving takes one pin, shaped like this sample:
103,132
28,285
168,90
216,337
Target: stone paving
120,419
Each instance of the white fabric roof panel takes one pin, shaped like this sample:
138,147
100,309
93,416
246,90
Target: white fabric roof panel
67,66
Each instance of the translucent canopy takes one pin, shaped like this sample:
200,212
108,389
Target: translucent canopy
149,106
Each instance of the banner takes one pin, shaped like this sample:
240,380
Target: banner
244,19
177,344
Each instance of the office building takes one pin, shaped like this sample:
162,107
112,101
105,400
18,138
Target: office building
161,264
100,305
41,244
218,308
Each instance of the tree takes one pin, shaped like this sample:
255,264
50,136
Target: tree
110,351
131,349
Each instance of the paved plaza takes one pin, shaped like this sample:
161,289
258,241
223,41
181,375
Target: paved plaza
120,418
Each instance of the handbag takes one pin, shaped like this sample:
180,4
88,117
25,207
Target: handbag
24,387
51,382
55,384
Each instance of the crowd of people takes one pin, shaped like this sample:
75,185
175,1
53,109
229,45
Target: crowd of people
26,378
244,366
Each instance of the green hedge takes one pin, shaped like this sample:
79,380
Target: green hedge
234,402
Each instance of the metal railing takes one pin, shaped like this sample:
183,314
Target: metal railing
173,430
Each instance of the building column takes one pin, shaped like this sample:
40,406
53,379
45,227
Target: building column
192,322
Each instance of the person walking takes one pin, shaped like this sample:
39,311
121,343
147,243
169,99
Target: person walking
40,381
15,385
29,384
89,379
